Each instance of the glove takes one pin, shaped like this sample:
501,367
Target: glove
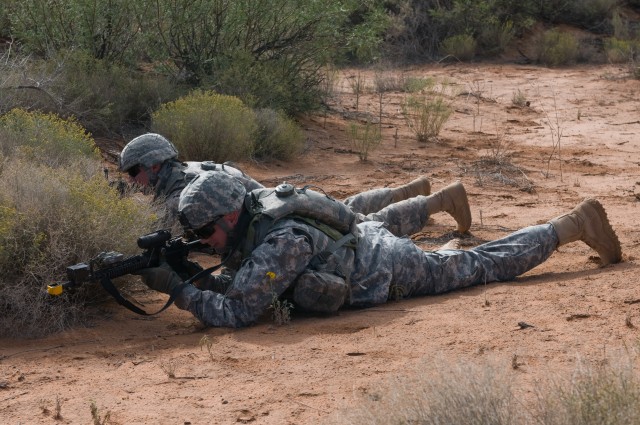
188,269
162,278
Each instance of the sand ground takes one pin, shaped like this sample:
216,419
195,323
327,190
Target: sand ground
156,371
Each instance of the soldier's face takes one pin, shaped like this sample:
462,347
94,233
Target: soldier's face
219,238
141,175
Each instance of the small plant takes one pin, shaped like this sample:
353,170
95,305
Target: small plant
281,311
281,308
364,138
358,86
58,413
556,129
426,115
206,341
500,149
328,84
95,415
461,46
415,84
519,99
169,368
208,126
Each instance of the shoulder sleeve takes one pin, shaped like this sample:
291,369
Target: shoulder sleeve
270,269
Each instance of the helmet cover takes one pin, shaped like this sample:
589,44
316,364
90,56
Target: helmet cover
210,195
147,150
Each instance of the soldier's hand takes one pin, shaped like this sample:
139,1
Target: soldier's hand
161,278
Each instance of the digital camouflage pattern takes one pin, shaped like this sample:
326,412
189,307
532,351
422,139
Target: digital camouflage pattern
147,149
174,176
151,148
210,195
383,266
374,201
402,218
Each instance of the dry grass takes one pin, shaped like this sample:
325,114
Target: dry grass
489,393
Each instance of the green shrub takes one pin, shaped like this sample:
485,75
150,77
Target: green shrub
495,37
48,221
416,84
208,126
557,48
426,114
104,98
461,46
45,138
278,137
269,53
364,138
621,51
105,29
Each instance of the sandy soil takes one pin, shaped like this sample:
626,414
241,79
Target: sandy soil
156,371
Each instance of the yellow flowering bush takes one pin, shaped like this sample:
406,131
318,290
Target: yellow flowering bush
205,125
44,138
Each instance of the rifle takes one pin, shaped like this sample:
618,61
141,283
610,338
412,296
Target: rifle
110,265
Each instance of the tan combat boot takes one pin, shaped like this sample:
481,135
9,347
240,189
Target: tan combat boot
588,222
419,186
453,200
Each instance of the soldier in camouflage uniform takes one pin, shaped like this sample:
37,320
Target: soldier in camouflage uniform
379,266
151,160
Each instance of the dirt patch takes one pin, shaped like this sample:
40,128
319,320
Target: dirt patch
157,371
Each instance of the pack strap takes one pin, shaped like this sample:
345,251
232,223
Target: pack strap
323,256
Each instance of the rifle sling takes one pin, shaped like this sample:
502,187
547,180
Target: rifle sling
113,291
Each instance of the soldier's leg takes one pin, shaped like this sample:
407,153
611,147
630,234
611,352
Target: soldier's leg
427,273
422,273
374,200
410,216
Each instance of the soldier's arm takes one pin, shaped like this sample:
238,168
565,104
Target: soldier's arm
269,271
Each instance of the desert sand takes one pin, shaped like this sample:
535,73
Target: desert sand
157,370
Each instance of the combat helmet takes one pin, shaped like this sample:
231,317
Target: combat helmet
147,150
208,197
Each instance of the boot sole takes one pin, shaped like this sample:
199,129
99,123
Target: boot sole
463,214
606,257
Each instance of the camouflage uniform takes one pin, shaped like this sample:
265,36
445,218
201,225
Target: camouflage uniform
380,261
370,201
174,176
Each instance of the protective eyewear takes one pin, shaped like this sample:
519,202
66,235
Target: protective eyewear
134,171
203,232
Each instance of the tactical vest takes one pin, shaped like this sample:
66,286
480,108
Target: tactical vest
323,287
